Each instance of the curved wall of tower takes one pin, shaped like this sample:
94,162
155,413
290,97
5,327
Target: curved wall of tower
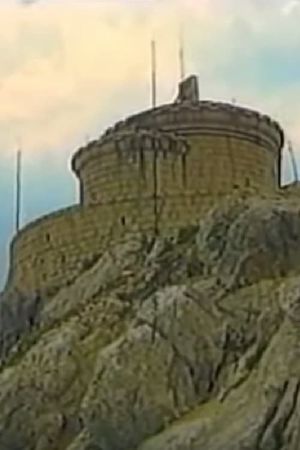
51,251
222,148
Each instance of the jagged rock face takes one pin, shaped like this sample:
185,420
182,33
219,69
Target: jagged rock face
187,343
18,315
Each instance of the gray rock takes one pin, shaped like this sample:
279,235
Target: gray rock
188,343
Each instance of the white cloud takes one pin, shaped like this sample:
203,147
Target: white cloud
72,67
71,59
290,6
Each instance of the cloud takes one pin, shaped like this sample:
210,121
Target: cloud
290,7
27,2
62,64
69,68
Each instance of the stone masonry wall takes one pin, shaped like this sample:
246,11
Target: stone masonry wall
123,168
218,165
51,251
111,178
212,165
224,148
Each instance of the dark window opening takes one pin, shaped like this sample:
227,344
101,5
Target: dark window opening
247,182
123,221
47,237
63,259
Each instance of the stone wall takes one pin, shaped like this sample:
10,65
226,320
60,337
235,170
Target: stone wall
217,165
112,177
53,250
212,149
124,167
205,165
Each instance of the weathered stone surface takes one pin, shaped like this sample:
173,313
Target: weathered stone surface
187,343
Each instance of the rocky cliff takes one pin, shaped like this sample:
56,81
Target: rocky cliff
183,343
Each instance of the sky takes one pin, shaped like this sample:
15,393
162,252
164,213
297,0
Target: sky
70,68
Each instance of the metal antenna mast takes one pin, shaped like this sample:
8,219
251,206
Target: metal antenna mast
18,188
293,160
154,140
153,73
181,54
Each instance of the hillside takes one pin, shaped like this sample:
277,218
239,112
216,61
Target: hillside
182,343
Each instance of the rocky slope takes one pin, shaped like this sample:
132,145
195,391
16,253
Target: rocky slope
185,343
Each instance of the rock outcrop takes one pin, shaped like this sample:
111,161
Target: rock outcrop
190,342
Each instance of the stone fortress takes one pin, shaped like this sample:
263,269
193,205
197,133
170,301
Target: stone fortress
152,173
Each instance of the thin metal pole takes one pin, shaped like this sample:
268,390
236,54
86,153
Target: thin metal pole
153,73
18,189
181,54
155,143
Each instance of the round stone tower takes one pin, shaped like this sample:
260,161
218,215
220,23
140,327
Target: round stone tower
185,155
153,172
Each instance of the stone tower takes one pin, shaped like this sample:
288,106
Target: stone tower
153,172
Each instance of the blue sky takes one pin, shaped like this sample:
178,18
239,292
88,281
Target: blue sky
70,68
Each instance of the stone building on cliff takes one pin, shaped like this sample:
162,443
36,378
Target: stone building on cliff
152,172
